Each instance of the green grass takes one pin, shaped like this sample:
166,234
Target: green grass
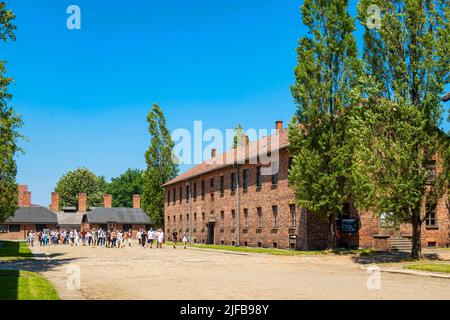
11,250
431,267
24,285
279,252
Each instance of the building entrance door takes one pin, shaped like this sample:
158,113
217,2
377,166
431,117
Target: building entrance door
210,239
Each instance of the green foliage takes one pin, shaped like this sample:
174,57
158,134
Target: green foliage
238,138
124,187
78,181
10,123
25,285
161,166
408,63
327,69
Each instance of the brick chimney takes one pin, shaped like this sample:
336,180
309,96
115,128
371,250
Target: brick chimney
213,153
82,202
279,125
137,201
55,202
26,199
22,188
107,201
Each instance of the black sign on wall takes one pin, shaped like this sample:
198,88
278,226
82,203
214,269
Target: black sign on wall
349,226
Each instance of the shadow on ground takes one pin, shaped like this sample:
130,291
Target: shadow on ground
392,257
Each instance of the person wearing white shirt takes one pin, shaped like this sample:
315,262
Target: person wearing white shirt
151,237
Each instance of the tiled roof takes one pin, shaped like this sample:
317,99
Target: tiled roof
33,215
117,215
238,155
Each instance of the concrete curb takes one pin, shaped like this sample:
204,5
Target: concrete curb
413,272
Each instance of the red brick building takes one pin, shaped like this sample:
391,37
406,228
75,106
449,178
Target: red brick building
231,202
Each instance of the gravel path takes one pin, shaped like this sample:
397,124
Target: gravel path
137,273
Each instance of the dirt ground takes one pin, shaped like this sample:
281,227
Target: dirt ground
137,273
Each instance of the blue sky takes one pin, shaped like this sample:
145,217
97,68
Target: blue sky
84,94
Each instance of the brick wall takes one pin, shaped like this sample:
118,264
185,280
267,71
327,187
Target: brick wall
311,231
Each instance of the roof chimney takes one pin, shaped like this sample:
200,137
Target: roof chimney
82,202
136,201
55,202
279,125
213,153
107,201
26,199
22,188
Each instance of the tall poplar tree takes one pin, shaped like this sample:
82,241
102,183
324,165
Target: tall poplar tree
328,68
10,124
408,57
161,166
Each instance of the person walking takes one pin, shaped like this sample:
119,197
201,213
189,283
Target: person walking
108,238
144,238
138,236
120,239
130,237
77,237
160,238
185,240
151,237
174,238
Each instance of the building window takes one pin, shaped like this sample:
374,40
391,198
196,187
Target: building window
258,177
386,220
430,219
187,193
211,184
168,218
275,179
181,194
246,218
293,211
233,215
233,181
203,190
430,173
203,216
222,219
127,227
245,176
174,219
222,184
260,217
195,217
181,217
4,228
168,197
174,195
275,216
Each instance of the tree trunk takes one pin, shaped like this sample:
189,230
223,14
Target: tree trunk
332,240
416,222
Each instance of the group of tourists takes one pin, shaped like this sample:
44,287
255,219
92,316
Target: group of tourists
110,238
